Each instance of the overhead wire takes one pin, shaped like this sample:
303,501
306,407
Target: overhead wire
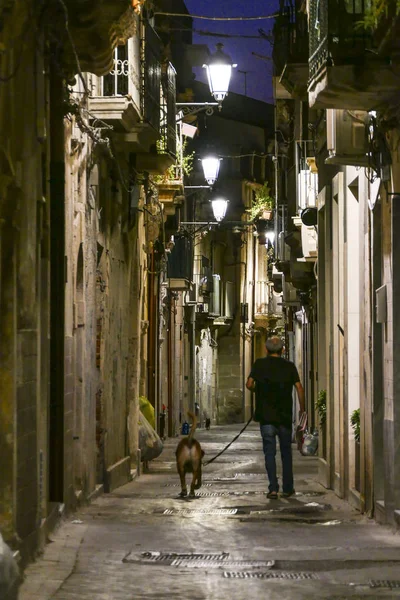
259,18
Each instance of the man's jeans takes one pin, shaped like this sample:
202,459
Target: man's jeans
269,433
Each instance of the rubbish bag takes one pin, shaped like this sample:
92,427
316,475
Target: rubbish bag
150,443
301,431
148,410
310,444
10,578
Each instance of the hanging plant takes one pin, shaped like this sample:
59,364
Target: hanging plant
320,405
355,424
262,203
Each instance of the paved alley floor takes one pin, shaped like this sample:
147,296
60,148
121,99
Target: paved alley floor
143,542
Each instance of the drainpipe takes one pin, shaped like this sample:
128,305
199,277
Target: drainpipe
58,274
276,164
170,365
151,369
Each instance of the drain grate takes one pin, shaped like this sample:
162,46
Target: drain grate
188,556
382,583
268,575
179,485
240,475
189,513
232,564
225,494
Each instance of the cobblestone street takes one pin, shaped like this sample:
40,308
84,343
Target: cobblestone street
143,541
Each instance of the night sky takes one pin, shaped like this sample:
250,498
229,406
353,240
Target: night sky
259,76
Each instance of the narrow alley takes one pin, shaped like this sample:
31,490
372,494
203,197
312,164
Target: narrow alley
142,541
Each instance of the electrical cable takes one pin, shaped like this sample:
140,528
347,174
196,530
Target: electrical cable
166,14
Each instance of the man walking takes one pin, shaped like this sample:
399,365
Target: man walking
272,378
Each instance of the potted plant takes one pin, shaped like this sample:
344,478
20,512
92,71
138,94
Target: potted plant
263,204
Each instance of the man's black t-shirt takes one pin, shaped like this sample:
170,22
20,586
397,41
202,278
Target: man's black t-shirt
275,378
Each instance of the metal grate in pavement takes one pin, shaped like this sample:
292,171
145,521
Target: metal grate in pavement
244,475
224,494
269,575
238,564
382,583
204,511
179,485
188,556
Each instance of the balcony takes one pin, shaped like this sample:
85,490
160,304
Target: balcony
137,98
290,53
345,70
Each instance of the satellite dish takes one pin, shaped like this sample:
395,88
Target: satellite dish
309,216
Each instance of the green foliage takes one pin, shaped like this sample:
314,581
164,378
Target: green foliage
262,201
378,9
184,162
320,405
355,424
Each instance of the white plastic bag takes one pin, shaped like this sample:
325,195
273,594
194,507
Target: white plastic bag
10,578
310,444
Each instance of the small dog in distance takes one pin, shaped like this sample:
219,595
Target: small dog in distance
189,455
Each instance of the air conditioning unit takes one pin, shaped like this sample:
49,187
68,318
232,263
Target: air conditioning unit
229,299
191,297
202,308
283,248
307,188
215,297
309,242
346,137
289,293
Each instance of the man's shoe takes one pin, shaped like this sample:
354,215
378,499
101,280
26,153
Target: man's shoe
272,495
288,494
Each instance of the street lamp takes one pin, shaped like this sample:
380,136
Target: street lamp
210,164
219,71
219,206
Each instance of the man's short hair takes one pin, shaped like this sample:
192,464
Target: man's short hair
274,345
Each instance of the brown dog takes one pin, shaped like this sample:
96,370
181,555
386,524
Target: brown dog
188,460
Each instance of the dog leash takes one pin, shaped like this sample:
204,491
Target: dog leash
230,443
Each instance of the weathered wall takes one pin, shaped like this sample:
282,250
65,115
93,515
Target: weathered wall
24,287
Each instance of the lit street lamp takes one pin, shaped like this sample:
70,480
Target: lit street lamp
210,166
219,206
219,71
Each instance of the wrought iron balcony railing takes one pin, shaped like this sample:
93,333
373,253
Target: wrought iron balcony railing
335,38
290,36
158,91
140,73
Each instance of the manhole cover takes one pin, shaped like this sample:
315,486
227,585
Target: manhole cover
238,564
382,583
194,512
268,575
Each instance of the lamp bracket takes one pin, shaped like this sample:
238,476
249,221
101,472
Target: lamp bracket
193,108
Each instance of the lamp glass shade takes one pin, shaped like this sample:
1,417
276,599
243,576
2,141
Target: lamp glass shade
210,166
219,206
270,235
219,77
219,71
